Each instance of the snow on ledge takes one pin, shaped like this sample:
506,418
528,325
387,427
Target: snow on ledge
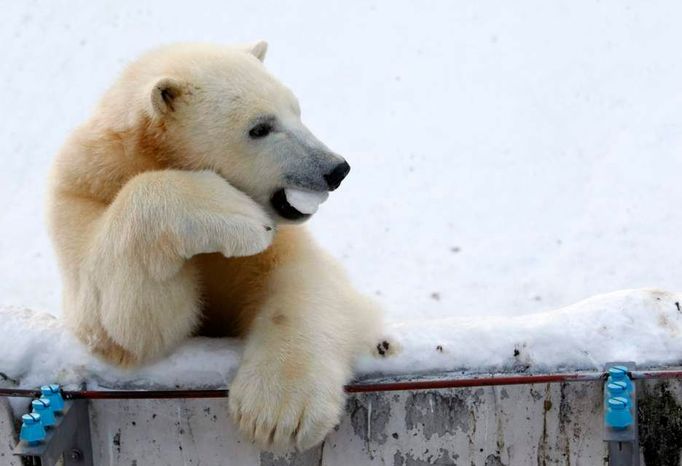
641,325
638,325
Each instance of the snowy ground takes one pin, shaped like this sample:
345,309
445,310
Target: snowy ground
507,158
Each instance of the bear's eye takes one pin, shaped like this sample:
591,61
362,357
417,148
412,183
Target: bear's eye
260,130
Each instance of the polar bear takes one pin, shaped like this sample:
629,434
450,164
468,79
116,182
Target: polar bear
175,210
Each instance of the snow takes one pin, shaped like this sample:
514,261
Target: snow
306,202
37,348
507,158
630,325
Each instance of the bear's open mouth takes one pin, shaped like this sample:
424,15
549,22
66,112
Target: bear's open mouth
297,204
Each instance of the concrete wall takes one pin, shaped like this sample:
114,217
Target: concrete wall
548,424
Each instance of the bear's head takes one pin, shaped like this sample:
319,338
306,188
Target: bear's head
218,108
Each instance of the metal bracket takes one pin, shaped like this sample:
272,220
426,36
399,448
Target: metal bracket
69,439
623,442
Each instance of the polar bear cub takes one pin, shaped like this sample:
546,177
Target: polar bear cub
175,210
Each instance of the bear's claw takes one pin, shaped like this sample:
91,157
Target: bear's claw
386,347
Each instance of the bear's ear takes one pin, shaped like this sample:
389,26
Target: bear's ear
165,94
259,49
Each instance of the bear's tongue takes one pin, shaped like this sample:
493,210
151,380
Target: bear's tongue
305,202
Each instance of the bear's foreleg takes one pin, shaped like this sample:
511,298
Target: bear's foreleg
299,354
137,277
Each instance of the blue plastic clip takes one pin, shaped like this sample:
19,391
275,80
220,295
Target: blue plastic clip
618,389
42,407
53,393
618,415
620,374
32,430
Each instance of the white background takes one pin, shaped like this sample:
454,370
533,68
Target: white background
508,157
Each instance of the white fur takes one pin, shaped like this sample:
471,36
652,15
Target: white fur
164,172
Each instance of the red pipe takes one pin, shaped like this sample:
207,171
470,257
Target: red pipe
359,387
473,382
143,394
672,374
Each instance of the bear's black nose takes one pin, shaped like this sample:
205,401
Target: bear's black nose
336,176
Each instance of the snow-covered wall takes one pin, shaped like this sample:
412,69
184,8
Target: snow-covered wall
633,325
507,157
491,426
